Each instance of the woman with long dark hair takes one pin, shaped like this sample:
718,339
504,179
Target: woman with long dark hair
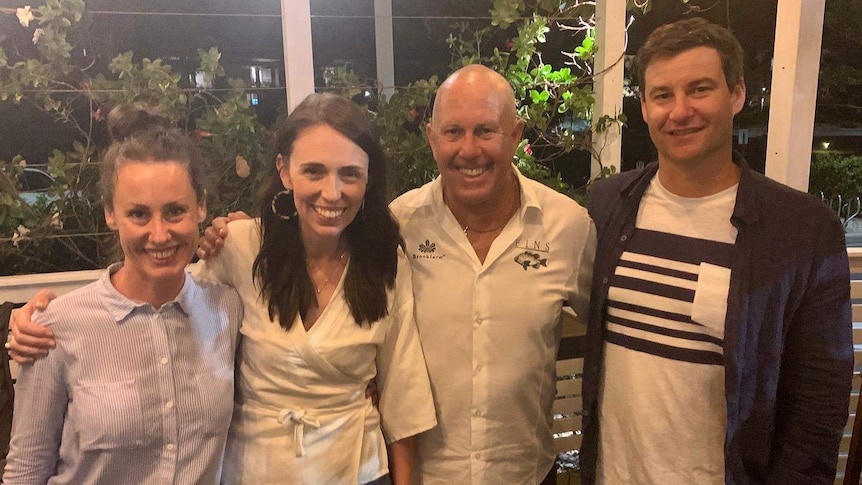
328,306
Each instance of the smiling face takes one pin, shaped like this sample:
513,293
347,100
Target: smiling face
689,108
473,135
156,214
328,174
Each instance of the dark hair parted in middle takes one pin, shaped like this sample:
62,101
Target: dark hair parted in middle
372,236
675,38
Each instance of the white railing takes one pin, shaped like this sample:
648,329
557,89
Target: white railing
855,259
19,289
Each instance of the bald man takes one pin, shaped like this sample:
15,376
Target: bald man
494,257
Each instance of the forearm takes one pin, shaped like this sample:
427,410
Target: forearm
40,407
401,459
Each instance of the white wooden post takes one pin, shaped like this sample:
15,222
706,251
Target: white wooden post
383,40
608,84
298,61
798,35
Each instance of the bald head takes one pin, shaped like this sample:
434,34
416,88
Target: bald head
473,79
473,133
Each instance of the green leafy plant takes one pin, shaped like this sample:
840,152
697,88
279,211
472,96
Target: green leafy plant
64,228
556,102
835,174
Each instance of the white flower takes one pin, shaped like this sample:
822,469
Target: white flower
37,34
243,169
24,15
19,235
56,222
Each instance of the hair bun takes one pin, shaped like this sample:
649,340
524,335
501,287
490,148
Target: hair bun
129,119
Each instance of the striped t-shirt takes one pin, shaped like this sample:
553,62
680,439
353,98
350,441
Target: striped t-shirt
662,401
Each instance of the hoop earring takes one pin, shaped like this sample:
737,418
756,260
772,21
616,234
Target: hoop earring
283,205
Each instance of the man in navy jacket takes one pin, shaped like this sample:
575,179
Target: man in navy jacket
719,345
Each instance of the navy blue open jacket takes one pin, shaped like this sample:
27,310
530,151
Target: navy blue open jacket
788,351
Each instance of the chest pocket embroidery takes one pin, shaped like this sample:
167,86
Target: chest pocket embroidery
529,259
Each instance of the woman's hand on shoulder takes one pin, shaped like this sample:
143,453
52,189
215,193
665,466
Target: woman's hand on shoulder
212,241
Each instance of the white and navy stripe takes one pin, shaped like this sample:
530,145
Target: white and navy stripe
652,295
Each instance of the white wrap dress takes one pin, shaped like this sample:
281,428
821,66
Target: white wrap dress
301,415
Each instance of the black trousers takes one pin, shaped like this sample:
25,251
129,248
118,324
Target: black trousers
551,477
384,480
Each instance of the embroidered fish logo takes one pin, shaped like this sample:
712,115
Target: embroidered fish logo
531,260
428,247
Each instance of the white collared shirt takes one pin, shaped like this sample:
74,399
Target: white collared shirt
490,331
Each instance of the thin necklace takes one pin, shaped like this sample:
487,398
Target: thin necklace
331,273
514,208
485,231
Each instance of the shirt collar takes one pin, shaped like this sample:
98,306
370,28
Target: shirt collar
120,307
745,209
747,205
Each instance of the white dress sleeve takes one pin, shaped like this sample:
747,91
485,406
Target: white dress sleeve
406,404
241,243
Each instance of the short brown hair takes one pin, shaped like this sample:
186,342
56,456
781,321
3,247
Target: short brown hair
672,39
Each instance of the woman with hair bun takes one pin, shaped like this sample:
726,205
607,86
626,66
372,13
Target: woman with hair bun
139,388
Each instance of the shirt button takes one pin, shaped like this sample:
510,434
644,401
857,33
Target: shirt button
478,320
163,360
477,456
169,404
623,238
478,367
605,280
477,412
170,446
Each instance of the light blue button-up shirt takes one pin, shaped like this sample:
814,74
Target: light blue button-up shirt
132,394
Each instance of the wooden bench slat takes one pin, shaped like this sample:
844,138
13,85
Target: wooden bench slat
572,325
568,405
844,444
567,423
857,333
570,367
569,443
569,387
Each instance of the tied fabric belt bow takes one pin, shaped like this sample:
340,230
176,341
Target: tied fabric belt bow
299,419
